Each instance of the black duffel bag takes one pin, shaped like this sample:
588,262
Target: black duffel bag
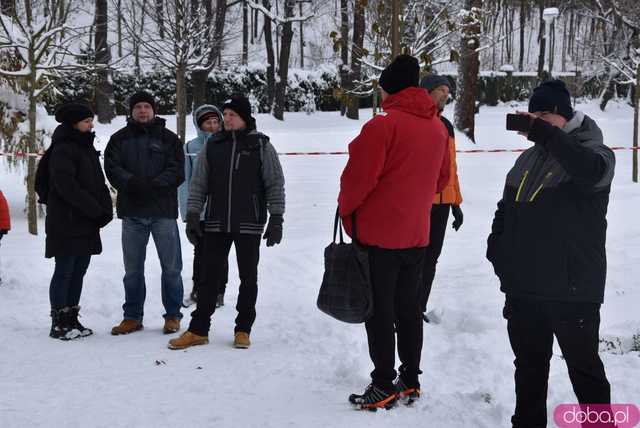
346,293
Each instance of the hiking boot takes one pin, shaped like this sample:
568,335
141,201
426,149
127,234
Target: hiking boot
186,340
127,326
59,327
406,391
220,300
73,323
374,398
171,325
241,340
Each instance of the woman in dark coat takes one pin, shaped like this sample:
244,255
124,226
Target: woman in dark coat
78,205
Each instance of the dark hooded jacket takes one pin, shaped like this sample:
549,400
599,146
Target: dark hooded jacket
78,202
549,232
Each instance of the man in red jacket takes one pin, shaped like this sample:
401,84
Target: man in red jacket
5,218
396,165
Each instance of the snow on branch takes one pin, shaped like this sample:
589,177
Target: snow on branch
276,18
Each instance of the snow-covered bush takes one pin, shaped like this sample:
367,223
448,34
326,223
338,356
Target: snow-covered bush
221,84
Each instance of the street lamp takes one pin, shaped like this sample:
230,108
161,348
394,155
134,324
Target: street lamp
549,14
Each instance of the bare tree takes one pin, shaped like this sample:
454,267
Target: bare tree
41,41
271,69
286,22
214,29
184,49
103,98
357,52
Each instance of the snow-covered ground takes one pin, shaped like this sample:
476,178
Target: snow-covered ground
302,364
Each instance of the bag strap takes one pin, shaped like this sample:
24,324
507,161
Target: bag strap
337,226
337,223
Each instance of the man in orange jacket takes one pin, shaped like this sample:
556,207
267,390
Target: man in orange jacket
447,200
396,165
5,218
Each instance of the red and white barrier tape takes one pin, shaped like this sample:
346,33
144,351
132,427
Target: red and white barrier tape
472,151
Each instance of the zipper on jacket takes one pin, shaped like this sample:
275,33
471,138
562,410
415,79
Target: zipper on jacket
233,152
544,180
238,161
524,179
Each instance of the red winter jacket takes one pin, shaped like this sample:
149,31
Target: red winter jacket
396,165
5,219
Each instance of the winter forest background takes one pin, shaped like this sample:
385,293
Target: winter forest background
310,69
298,55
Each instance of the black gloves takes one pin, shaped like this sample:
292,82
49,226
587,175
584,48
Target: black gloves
273,235
139,184
457,216
194,231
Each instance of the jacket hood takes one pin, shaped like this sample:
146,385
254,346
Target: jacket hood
412,100
65,133
206,108
584,128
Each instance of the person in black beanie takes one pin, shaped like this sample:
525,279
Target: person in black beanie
547,247
71,183
239,175
402,73
144,161
396,165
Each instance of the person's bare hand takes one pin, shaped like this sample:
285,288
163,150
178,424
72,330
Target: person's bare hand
531,116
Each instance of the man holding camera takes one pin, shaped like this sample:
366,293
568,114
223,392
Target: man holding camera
547,246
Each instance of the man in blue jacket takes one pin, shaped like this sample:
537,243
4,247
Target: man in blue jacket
144,161
208,122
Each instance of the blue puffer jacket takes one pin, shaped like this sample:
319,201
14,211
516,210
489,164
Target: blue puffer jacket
191,150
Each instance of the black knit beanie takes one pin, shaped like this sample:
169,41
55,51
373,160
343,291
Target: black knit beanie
141,97
402,73
432,81
73,112
240,104
552,96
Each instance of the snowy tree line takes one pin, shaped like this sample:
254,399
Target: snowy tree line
44,43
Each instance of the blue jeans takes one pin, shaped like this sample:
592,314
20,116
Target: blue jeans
135,236
66,282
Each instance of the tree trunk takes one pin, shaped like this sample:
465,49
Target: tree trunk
552,46
271,60
181,101
283,67
103,97
396,10
542,40
356,54
32,143
345,84
199,78
245,32
465,108
301,39
119,12
523,21
160,18
636,127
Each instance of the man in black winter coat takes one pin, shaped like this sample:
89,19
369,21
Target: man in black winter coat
144,161
238,174
547,246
